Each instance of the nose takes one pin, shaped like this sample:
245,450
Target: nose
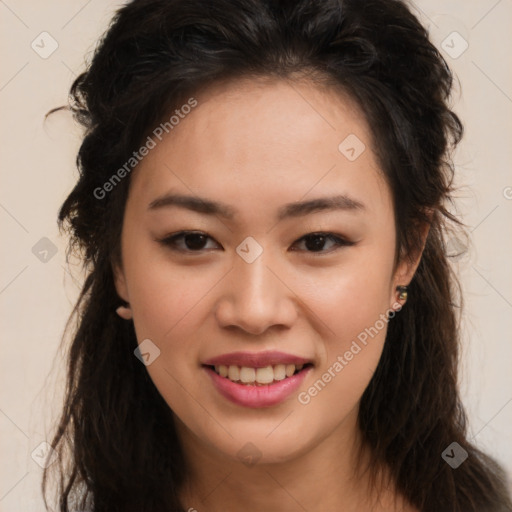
255,297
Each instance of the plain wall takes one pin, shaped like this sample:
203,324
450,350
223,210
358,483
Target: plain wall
38,171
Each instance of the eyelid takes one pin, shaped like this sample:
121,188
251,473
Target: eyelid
168,241
341,241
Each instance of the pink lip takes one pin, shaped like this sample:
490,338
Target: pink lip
256,360
257,396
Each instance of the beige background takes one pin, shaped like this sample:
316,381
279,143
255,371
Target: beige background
38,172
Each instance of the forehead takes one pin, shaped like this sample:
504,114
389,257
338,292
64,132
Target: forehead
273,139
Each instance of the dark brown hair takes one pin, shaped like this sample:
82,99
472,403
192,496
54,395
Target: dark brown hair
116,437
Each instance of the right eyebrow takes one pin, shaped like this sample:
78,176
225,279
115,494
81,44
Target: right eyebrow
338,202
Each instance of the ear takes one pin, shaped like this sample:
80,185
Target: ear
124,311
408,263
120,282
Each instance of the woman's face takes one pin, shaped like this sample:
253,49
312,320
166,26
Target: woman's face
259,169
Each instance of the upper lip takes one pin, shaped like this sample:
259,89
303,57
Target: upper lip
256,359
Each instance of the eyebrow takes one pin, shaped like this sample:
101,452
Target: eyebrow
297,209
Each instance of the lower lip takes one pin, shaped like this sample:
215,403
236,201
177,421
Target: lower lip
257,396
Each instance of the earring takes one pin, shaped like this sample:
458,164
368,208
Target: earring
125,312
402,292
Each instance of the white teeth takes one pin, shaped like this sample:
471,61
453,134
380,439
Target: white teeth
234,373
279,372
290,370
265,375
260,376
247,375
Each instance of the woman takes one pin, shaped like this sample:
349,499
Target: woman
269,317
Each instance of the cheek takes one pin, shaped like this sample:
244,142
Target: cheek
163,295
169,305
172,304
349,361
353,302
350,297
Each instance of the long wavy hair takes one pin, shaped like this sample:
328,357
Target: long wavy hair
117,445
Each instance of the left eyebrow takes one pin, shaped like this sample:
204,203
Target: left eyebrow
339,202
297,209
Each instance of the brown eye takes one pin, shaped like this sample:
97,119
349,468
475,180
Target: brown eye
188,241
316,242
195,241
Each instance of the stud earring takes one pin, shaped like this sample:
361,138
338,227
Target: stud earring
402,292
124,312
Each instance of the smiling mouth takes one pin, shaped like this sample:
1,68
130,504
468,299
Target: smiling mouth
265,376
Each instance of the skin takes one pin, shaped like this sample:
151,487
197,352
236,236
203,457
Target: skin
255,146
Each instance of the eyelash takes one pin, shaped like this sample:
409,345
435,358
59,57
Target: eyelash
170,241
